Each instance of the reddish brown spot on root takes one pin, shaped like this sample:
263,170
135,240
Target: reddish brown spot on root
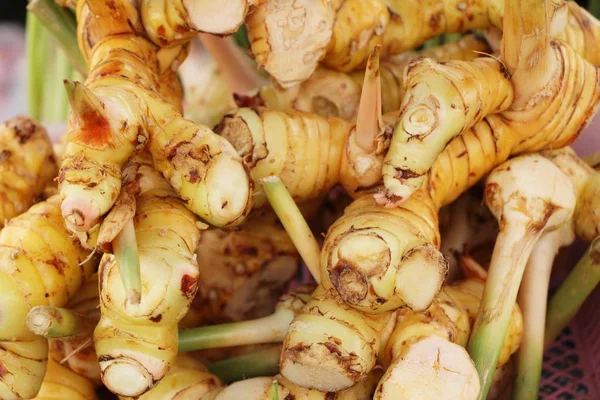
404,173
94,129
333,349
189,285
3,370
349,283
156,319
434,21
5,155
243,100
24,128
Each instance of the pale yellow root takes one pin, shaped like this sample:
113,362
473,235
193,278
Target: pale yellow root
27,165
62,384
432,368
169,22
330,346
187,380
40,264
263,388
341,34
137,344
376,260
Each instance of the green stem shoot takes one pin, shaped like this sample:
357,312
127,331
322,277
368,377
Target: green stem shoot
259,363
269,329
61,23
294,223
37,55
53,322
512,250
568,299
128,260
533,297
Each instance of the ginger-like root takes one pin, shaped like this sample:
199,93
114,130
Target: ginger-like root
188,379
533,300
27,165
42,264
379,258
332,93
169,22
207,98
351,154
425,355
530,196
263,388
289,38
131,98
331,346
586,182
136,344
468,294
77,353
60,384
242,272
283,144
441,101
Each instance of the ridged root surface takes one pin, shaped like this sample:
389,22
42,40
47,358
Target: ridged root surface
137,344
27,165
331,346
188,379
441,101
379,258
289,38
132,98
39,265
309,153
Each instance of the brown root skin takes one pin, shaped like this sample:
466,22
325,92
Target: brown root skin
398,25
330,346
40,266
242,272
27,165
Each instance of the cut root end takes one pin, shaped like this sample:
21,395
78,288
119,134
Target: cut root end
80,213
126,377
422,272
432,368
325,376
209,16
